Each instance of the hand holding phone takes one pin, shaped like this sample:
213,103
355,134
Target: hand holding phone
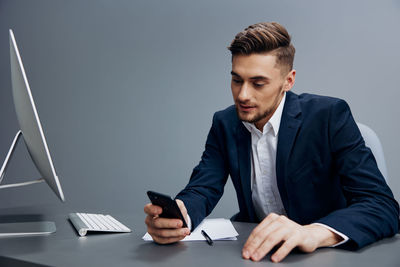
162,219
169,206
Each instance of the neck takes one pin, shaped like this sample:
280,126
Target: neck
260,124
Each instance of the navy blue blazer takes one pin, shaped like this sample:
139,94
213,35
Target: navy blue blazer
324,171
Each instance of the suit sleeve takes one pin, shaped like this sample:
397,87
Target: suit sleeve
372,212
208,178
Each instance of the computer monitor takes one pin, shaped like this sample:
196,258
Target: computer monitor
32,133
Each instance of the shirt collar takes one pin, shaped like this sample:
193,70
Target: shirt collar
274,122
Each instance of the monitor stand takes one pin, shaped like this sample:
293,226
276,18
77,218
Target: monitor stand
22,228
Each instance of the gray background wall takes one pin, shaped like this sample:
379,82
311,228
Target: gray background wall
126,89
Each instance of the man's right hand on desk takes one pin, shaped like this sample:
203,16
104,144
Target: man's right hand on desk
163,230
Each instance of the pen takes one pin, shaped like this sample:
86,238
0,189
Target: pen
207,237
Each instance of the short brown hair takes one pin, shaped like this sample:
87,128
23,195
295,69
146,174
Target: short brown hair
265,37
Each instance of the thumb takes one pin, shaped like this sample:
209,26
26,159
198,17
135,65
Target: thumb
182,207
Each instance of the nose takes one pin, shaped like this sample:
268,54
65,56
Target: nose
244,94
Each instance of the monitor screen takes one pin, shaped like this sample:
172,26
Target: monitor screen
29,122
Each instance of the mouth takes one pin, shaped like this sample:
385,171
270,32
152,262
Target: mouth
246,108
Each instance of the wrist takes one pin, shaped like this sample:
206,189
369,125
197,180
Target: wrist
323,236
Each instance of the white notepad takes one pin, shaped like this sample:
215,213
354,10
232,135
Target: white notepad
217,229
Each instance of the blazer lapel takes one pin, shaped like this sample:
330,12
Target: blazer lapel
290,125
243,139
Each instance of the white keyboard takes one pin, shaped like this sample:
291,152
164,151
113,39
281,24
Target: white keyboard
84,222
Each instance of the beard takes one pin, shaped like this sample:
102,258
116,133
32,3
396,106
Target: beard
261,115
257,117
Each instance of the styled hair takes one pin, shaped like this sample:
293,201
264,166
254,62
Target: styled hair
265,37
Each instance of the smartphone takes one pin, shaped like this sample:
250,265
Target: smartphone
169,206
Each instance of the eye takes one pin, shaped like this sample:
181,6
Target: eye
258,85
237,81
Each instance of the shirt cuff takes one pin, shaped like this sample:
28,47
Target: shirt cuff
345,237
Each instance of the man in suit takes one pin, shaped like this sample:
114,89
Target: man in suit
298,163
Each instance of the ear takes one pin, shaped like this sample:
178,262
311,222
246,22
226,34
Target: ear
289,80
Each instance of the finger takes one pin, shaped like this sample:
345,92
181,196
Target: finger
181,206
285,249
153,210
259,234
261,227
183,209
273,239
160,222
256,239
149,220
168,233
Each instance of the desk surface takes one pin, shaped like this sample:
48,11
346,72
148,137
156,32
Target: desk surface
65,248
